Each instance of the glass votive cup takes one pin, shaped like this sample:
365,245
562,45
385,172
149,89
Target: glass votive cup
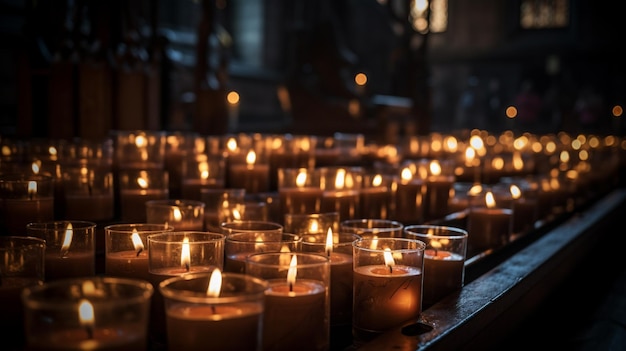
251,226
489,225
297,300
215,200
308,223
202,172
244,211
126,248
376,195
89,194
338,247
300,190
373,227
251,173
136,187
181,214
139,149
387,285
70,248
230,317
25,198
98,313
238,246
444,259
342,186
21,265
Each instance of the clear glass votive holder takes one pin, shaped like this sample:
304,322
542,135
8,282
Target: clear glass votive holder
238,246
202,172
297,300
338,247
444,259
181,214
136,187
98,313
244,211
70,248
25,198
308,223
251,226
489,224
89,194
215,200
139,149
300,190
21,265
126,248
387,285
373,227
214,311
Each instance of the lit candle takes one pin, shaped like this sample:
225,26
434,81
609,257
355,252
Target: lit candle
137,191
295,311
304,195
438,186
489,226
252,176
342,194
126,263
181,214
238,246
410,198
375,198
226,316
88,196
25,199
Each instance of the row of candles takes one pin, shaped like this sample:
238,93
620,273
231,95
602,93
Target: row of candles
250,287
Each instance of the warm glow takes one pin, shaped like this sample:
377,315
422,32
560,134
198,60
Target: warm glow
360,79
518,162
435,168
215,283
177,214
185,255
35,167
32,188
490,200
141,141
251,157
340,178
511,112
470,154
389,261
475,189
515,191
285,257
231,144
233,98
497,163
374,243
406,174
617,111
137,243
329,241
301,178
314,226
293,270
564,156
476,142
142,181
377,180
67,239
85,313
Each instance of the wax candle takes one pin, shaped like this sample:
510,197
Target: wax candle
238,246
128,263
25,199
375,198
438,186
410,198
96,207
299,190
489,226
88,194
224,313
341,191
181,214
133,203
252,176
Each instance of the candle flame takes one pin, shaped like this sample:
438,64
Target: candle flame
301,178
314,226
293,271
67,240
475,189
374,242
285,256
231,144
32,188
490,200
515,191
137,242
141,141
251,158
389,261
406,174
185,255
215,283
237,215
377,180
35,167
177,214
142,180
258,244
435,168
340,178
86,316
329,242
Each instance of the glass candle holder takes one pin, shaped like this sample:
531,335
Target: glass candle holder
180,214
139,149
300,190
252,173
444,259
308,223
202,172
489,225
25,198
99,313
387,285
297,301
70,248
126,249
215,200
136,188
338,247
376,195
89,194
214,310
238,246
251,226
373,227
342,186
21,265
245,211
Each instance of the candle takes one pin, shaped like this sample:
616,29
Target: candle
444,259
214,311
341,193
489,226
83,314
297,300
88,194
25,199
70,248
136,188
181,214
387,285
438,186
252,176
299,190
238,246
410,198
375,197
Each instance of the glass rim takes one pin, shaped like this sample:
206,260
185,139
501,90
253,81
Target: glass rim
175,237
450,231
61,225
140,227
421,246
318,259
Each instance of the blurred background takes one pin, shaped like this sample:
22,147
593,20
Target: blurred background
385,68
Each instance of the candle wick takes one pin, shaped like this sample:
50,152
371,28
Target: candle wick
139,251
290,287
89,188
63,253
213,309
89,331
187,266
390,269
